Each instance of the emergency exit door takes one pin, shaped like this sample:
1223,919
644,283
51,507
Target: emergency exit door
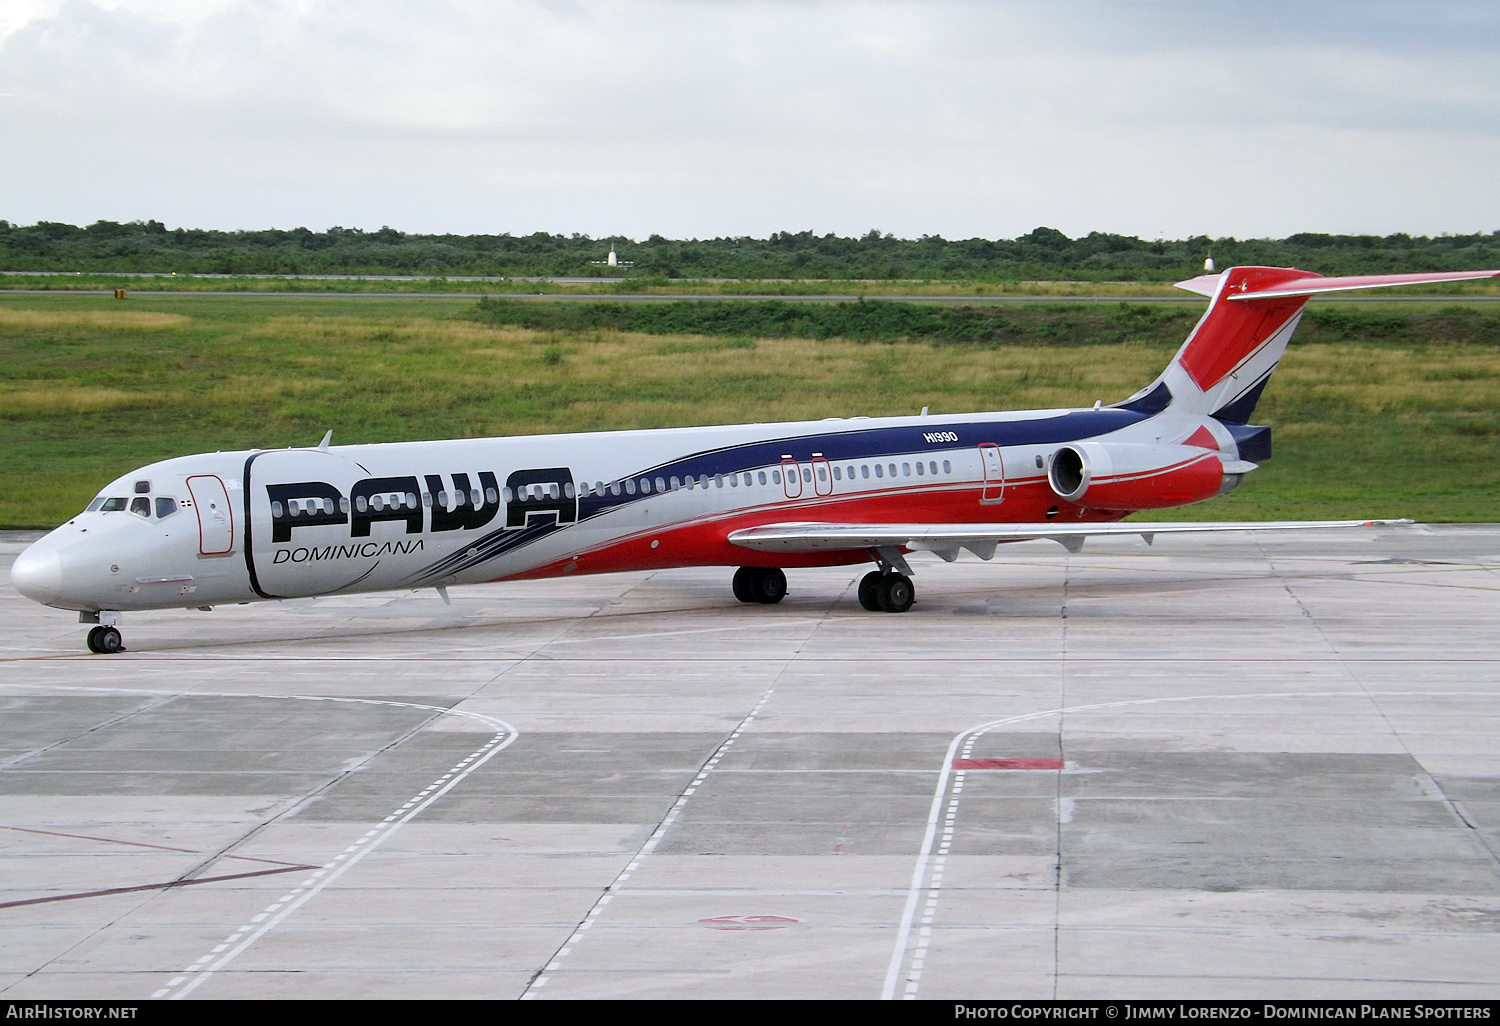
994,474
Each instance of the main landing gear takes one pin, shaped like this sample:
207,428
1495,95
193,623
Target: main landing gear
886,592
106,641
763,584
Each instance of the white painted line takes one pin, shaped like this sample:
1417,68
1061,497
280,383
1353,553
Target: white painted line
646,849
968,738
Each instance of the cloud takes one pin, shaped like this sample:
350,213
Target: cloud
746,116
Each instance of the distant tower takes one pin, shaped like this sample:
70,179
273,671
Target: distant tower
1208,265
613,260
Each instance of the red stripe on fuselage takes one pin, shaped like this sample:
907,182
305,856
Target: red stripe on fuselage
705,541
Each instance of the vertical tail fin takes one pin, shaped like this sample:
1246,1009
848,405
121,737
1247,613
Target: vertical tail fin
1224,365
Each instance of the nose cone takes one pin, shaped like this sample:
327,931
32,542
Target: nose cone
37,573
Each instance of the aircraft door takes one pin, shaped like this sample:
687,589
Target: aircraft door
822,476
994,474
791,478
215,515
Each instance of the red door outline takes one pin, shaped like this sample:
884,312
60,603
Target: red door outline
822,476
994,474
215,514
791,478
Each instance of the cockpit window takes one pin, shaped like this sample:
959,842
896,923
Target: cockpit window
165,507
141,506
113,505
95,504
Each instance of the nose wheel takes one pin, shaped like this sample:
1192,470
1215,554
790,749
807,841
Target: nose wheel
105,641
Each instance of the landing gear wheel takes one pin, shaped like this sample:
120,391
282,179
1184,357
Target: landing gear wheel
769,585
105,641
869,591
896,593
744,583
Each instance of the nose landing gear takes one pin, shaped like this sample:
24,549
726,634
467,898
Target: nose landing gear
105,641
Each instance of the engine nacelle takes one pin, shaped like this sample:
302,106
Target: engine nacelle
1122,476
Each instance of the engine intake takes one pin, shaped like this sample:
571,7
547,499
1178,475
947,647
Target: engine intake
1130,477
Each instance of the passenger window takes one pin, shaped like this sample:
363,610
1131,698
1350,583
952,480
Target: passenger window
920,469
905,470
734,480
141,506
893,469
661,485
718,480
822,474
702,480
879,472
864,471
630,487
114,504
491,496
411,498
933,466
676,484
343,504
360,504
165,508
837,474
763,476
776,476
276,510
947,467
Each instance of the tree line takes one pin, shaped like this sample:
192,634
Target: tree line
1043,254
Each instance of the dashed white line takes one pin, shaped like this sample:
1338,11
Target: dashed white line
645,851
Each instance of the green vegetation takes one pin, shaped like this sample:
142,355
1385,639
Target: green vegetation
1378,410
1042,254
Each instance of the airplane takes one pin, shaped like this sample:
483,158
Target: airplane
239,527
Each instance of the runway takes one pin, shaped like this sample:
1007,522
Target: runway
1250,766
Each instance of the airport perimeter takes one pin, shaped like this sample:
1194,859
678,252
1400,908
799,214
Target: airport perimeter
1257,766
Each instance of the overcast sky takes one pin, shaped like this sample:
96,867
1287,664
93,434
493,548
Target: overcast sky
743,117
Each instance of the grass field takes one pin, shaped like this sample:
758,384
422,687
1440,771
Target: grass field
652,286
1377,410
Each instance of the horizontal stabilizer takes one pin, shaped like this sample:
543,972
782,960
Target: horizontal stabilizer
812,537
1316,284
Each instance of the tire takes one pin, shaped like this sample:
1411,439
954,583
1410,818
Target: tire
109,641
869,591
93,639
770,586
744,584
896,593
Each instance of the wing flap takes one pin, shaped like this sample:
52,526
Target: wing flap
979,538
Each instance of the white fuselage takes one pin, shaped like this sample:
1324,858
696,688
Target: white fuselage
284,523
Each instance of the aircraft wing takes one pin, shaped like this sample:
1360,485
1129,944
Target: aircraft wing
981,539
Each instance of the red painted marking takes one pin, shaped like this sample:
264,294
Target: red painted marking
153,886
1203,437
1010,764
748,922
1229,332
140,844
